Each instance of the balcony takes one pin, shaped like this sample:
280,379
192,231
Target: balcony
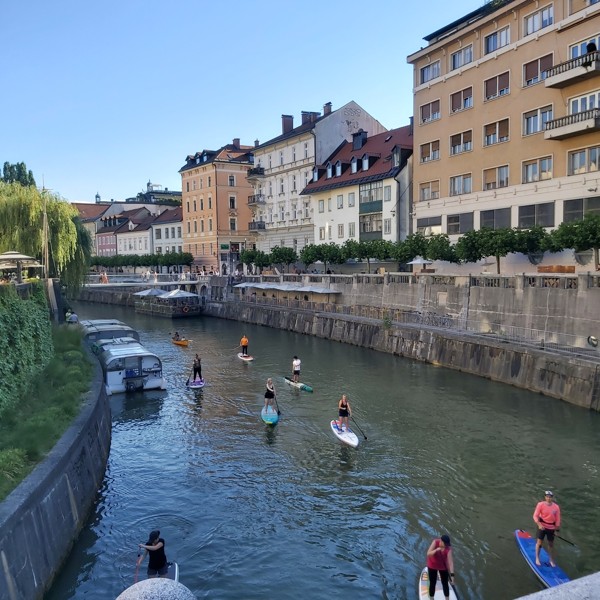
574,70
375,206
368,236
255,174
257,226
573,125
257,199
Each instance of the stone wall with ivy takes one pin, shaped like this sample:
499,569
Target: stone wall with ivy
26,344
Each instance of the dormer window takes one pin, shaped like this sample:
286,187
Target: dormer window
315,174
365,162
338,168
354,164
329,170
396,157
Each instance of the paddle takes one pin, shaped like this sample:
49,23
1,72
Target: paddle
358,426
137,565
564,540
189,377
450,578
276,405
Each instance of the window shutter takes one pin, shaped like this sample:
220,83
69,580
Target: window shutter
456,100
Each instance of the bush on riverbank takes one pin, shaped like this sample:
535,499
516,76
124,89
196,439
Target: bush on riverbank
30,427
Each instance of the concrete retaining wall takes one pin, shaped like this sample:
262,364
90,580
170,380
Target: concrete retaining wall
42,517
573,379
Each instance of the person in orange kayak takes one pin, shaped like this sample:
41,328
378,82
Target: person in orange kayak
547,518
439,560
244,345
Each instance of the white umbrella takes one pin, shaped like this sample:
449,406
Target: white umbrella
179,294
151,292
419,260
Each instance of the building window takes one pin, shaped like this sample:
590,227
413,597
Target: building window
329,208
281,191
461,100
330,232
232,181
189,229
354,164
537,170
497,86
461,142
535,121
584,103
579,49
494,133
540,215
195,226
495,219
461,184
584,161
305,178
351,199
430,72
576,210
387,193
387,226
329,171
341,230
305,149
365,162
194,202
294,153
321,206
172,232
187,206
158,233
166,233
460,58
271,188
209,181
340,201
321,233
461,223
495,178
430,190
430,112
210,225
209,203
370,223
430,151
270,162
201,203
338,168
351,230
280,157
536,70
193,185
429,226
496,40
232,225
293,183
187,186
370,192
538,20
201,225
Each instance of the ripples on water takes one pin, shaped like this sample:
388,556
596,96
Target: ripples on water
251,511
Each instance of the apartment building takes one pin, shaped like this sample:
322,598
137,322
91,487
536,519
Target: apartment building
507,114
283,167
359,192
167,233
215,206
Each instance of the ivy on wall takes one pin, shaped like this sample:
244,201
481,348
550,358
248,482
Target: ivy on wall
26,345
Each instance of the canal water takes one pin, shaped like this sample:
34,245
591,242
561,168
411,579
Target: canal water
253,512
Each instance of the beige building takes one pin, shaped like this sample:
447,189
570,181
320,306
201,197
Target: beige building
283,167
215,206
507,120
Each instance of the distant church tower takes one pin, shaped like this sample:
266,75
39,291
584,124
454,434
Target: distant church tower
97,198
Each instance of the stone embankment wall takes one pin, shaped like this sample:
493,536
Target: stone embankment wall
570,378
42,517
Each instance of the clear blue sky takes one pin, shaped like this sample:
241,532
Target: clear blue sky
102,96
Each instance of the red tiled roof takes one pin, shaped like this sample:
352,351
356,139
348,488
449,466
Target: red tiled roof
89,211
169,216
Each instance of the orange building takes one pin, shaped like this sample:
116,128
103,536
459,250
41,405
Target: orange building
215,206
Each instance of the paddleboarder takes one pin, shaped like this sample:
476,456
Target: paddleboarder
296,369
197,368
270,395
244,345
155,547
344,412
547,518
439,560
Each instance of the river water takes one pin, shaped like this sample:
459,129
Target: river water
252,512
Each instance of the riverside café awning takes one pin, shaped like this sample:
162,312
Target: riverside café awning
291,288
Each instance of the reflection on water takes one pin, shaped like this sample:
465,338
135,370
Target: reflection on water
242,505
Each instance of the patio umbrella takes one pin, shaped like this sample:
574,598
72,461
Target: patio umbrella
179,294
419,260
7,259
151,292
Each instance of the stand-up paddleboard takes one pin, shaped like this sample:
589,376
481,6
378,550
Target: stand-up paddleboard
347,436
245,357
549,576
198,384
172,573
269,415
439,590
300,386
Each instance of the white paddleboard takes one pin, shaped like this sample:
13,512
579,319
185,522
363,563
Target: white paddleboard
245,357
347,436
196,385
439,591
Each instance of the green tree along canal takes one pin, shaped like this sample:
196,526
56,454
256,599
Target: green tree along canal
252,512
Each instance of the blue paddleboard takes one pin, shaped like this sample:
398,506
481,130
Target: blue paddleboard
549,576
269,415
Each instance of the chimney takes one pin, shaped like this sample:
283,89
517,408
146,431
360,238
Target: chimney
327,109
359,139
314,116
305,117
236,142
287,123
256,143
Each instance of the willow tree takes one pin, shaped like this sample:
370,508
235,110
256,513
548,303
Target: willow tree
22,212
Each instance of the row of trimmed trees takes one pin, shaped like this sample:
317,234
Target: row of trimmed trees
470,248
156,261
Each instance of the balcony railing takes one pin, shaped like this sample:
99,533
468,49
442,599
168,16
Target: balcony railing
572,125
257,199
256,172
257,226
374,206
368,236
574,70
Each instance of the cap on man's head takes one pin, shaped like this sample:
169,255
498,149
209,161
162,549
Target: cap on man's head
154,535
446,539
548,493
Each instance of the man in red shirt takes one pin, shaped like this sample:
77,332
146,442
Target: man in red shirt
547,518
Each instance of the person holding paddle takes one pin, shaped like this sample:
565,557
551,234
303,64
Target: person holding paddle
155,547
244,345
270,395
439,560
344,412
547,518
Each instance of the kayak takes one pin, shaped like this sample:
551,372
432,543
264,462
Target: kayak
347,436
439,591
269,415
199,383
300,386
549,576
181,342
245,357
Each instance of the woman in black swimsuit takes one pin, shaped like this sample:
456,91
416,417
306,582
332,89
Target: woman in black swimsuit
270,395
344,412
